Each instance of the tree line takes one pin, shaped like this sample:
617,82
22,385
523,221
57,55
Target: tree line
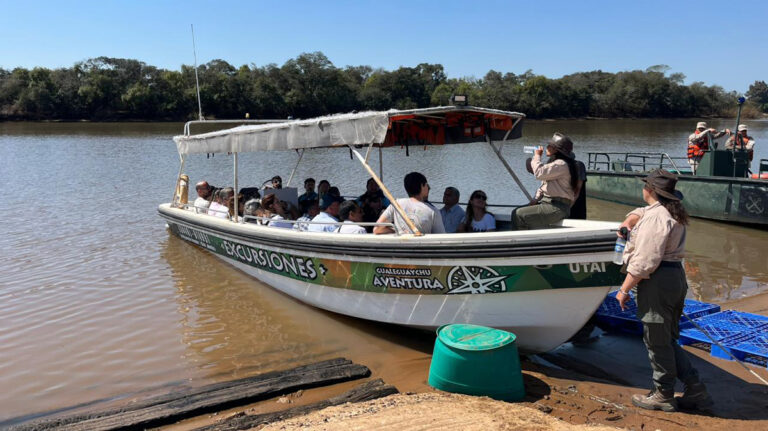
310,85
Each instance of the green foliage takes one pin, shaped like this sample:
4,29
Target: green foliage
758,94
309,85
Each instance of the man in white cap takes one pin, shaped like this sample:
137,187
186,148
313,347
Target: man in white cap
742,141
700,141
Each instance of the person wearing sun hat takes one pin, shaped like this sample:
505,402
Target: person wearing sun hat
653,263
700,141
742,140
559,179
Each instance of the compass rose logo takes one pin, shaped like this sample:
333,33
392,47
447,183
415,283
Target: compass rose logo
475,279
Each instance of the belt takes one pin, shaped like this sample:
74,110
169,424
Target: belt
670,264
563,201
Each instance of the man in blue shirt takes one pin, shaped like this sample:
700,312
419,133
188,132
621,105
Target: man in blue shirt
451,213
329,212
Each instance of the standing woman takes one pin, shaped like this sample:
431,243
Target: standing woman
559,178
477,218
652,262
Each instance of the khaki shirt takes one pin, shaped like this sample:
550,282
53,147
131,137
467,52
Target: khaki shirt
655,237
749,143
555,179
693,138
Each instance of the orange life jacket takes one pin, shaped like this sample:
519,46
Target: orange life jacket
696,150
740,143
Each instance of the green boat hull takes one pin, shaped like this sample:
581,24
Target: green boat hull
737,200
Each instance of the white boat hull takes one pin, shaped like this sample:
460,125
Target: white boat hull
543,297
541,319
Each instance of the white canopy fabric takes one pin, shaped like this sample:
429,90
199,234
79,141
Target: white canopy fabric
331,131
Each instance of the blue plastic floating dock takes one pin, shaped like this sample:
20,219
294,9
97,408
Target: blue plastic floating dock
744,335
611,317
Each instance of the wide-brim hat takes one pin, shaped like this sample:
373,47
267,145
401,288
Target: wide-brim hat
663,183
562,144
701,125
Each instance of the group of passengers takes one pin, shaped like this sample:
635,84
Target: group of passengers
325,210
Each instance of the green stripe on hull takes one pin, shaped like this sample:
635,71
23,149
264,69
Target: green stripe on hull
407,278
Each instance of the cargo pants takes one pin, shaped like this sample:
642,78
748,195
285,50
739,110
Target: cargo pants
540,216
660,301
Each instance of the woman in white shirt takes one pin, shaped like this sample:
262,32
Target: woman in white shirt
351,213
275,207
477,219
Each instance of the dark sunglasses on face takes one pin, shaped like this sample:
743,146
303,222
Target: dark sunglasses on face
483,197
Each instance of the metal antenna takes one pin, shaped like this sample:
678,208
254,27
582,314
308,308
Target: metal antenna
197,82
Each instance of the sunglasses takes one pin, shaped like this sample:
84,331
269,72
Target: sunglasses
483,197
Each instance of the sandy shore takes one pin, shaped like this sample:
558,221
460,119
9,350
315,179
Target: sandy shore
586,387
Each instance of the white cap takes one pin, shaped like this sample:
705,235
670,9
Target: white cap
701,125
742,127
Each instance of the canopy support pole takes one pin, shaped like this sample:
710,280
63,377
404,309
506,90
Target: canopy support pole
237,205
178,179
301,154
368,152
506,165
384,189
381,164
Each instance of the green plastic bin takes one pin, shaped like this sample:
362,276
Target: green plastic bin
477,360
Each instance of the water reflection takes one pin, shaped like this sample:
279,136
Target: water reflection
233,325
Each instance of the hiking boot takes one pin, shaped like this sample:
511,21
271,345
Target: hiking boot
656,400
695,397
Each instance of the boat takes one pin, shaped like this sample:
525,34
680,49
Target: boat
543,285
720,190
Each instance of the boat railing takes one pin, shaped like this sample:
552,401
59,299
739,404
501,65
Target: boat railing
265,220
763,167
632,161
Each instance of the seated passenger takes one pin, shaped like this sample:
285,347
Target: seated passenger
372,189
424,217
559,179
451,212
204,197
322,189
478,219
252,208
334,191
351,213
275,183
372,208
313,209
329,212
309,194
250,193
273,204
217,207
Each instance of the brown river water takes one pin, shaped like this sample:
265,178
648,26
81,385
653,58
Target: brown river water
98,300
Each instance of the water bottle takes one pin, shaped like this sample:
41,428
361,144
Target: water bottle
618,249
529,149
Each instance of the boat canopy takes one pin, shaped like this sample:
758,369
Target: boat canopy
428,126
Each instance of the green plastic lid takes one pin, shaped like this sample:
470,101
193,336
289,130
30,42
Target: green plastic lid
464,336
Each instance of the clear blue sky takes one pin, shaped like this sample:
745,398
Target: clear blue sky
722,43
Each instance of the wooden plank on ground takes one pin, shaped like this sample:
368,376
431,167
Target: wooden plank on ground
365,392
190,402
